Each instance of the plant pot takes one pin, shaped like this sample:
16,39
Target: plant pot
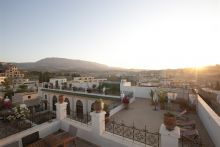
61,99
98,106
169,121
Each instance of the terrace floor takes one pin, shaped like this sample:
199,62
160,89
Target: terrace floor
141,113
83,143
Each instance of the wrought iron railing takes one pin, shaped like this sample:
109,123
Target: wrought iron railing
41,117
83,118
191,142
13,127
133,133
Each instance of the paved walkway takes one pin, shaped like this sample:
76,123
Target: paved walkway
141,113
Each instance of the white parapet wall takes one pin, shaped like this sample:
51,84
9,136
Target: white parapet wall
210,120
44,130
120,107
139,92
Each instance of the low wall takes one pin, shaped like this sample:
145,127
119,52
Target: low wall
105,140
120,107
210,120
116,109
140,92
44,130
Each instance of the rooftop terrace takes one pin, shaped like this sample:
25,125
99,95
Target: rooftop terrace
141,113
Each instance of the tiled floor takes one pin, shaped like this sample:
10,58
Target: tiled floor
141,113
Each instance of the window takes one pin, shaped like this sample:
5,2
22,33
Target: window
29,97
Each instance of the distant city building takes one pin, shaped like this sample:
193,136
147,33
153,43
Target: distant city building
2,79
28,98
57,82
85,82
10,71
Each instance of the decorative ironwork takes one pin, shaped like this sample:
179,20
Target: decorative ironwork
41,117
135,134
83,118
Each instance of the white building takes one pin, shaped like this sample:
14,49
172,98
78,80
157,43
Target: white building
24,97
57,82
85,82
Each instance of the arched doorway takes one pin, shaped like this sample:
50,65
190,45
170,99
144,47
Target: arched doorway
79,109
54,102
68,106
93,107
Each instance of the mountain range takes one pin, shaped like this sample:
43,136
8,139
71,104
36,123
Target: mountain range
63,64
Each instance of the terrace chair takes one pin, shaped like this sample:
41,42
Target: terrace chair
29,139
190,123
181,116
73,132
193,134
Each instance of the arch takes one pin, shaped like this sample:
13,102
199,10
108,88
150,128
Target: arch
68,106
79,109
92,106
54,102
45,97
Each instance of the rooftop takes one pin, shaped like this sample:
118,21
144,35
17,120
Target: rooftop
141,113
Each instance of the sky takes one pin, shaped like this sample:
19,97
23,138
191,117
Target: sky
147,34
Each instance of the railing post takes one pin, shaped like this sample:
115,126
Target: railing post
61,110
98,122
145,139
133,131
169,138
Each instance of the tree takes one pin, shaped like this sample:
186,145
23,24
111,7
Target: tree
152,95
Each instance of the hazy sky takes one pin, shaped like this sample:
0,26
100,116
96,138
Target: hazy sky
149,34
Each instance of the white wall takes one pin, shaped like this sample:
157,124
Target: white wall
116,109
210,120
140,92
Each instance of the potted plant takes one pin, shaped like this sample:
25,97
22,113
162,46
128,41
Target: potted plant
61,99
162,99
99,105
152,95
169,121
19,114
125,101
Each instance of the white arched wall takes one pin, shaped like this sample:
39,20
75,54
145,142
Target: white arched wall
90,101
83,100
87,102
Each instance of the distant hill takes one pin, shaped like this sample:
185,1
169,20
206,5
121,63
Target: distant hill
63,64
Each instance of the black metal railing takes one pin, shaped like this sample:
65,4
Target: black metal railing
131,132
191,142
83,118
8,128
41,117
33,118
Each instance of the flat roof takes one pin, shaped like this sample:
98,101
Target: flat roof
89,95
